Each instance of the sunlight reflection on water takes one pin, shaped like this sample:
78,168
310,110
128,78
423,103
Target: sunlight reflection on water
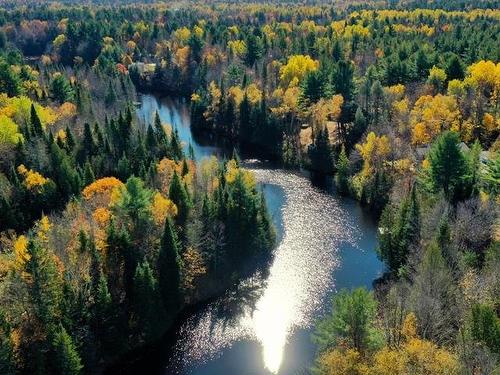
314,226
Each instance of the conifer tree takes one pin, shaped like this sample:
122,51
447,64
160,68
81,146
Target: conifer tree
67,360
36,124
179,196
342,175
147,306
175,145
169,265
88,174
448,166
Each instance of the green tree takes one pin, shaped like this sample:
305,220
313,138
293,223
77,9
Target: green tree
485,326
7,362
490,179
10,83
254,49
67,360
351,322
61,89
175,145
342,175
147,307
399,232
135,202
448,167
320,152
169,266
46,288
180,197
455,68
36,124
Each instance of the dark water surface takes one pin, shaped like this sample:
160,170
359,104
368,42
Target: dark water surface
325,243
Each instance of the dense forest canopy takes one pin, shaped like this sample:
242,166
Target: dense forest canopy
109,226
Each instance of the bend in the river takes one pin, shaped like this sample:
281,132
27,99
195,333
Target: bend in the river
326,243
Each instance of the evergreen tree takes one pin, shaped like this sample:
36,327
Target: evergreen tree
46,288
358,128
351,322
254,49
10,83
147,306
320,153
178,194
313,87
399,232
7,362
485,326
342,175
169,265
36,124
70,140
67,360
245,130
448,167
61,89
175,145
110,97
455,68
88,174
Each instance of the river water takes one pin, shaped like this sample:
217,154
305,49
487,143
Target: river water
325,243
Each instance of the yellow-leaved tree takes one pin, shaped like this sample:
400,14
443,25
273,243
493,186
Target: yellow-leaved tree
296,68
432,115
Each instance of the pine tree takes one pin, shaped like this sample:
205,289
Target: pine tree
46,288
175,145
70,141
36,124
245,131
185,168
485,326
320,153
342,175
110,97
67,360
400,230
359,127
88,174
177,193
448,166
7,362
169,265
147,306
455,68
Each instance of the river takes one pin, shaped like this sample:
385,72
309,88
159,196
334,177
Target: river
325,243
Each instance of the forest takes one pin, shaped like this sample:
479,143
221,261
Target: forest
110,227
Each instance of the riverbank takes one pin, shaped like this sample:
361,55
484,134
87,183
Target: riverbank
325,243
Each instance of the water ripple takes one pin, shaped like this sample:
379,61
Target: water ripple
314,226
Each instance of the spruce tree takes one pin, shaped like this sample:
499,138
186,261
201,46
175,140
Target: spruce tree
46,288
147,306
399,231
320,153
88,174
342,175
36,124
169,269
7,362
448,166
175,145
177,193
67,360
